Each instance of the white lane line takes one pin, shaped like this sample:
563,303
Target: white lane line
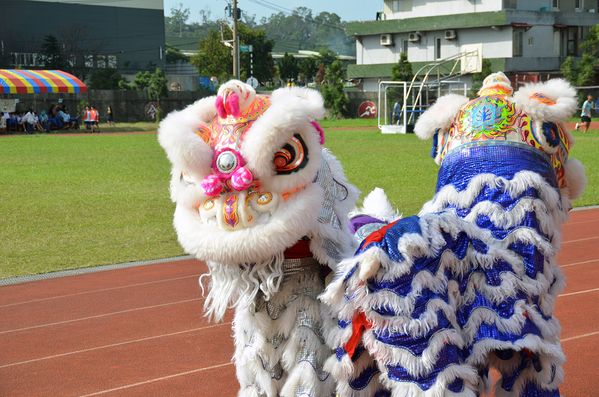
581,239
579,263
579,336
99,316
101,290
579,292
156,380
113,345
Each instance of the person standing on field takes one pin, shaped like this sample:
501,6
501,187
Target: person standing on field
110,116
95,119
585,115
87,118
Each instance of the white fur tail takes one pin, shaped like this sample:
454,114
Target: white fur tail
377,205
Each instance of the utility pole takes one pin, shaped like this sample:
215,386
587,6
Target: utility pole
235,42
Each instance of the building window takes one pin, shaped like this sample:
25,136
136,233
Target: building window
579,4
25,59
517,42
101,61
572,41
510,4
437,48
112,61
404,46
555,5
392,6
531,41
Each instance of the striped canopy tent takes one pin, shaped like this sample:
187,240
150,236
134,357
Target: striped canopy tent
18,81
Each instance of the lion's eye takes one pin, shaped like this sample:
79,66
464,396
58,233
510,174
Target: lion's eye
292,157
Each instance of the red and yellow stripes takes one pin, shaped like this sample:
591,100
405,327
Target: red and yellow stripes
17,81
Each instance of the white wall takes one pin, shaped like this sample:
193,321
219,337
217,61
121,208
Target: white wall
370,51
542,42
497,44
424,8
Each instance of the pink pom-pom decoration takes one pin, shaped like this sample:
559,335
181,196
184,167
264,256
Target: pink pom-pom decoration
233,105
227,104
220,107
211,185
320,131
242,179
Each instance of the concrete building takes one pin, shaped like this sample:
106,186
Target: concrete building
118,33
527,38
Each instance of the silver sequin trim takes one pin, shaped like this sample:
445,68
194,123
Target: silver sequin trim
275,371
332,190
258,389
276,341
292,267
309,356
332,249
303,320
303,391
367,230
251,341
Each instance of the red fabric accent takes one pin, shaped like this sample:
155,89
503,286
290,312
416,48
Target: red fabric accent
377,237
528,352
359,324
301,249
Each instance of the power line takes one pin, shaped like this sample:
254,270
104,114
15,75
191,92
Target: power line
289,12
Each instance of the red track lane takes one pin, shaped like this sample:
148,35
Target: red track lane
139,331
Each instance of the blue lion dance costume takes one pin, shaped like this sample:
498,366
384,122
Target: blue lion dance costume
431,302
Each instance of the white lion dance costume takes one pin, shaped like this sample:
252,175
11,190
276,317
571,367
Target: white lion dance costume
431,302
265,206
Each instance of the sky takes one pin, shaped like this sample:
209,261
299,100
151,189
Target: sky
359,11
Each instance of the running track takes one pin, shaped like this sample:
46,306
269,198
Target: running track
138,331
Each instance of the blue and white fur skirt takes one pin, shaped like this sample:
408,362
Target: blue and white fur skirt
467,285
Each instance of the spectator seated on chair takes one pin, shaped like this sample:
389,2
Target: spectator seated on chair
44,121
63,119
71,121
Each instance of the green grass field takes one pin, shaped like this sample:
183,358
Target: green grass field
78,201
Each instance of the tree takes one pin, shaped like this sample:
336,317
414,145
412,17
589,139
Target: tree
326,57
52,57
582,74
308,67
262,59
288,67
478,78
321,73
140,82
213,57
401,71
179,17
173,54
80,49
332,91
326,30
157,87
105,79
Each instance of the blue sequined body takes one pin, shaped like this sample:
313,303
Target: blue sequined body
473,284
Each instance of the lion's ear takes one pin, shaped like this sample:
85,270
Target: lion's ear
440,116
553,101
